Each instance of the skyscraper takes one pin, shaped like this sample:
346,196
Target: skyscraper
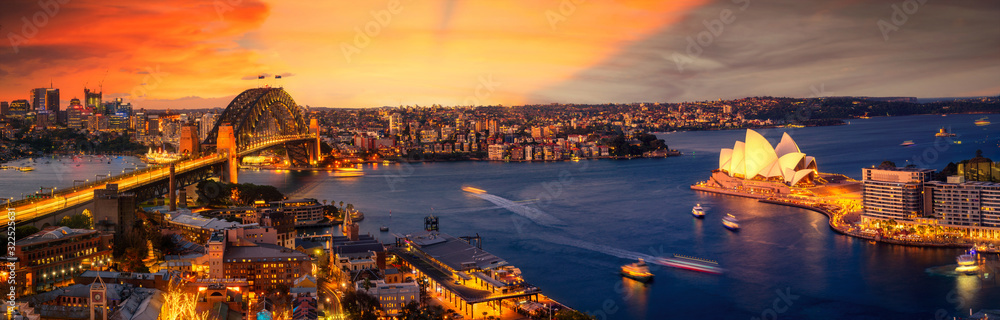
92,100
207,124
38,96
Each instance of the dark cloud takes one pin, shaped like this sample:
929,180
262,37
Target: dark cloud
785,47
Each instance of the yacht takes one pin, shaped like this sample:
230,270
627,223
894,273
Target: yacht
907,143
637,271
967,262
984,121
944,133
698,211
731,223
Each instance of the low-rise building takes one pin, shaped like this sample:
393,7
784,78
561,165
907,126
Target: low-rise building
52,257
392,296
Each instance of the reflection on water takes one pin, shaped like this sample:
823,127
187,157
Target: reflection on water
636,296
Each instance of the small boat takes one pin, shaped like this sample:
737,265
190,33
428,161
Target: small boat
637,271
25,169
385,228
984,121
731,223
944,133
907,143
967,262
698,211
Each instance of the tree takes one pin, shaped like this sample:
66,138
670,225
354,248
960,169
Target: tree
78,221
567,314
24,231
360,306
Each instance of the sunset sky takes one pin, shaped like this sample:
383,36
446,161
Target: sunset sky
195,54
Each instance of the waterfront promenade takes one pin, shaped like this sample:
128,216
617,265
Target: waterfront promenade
844,211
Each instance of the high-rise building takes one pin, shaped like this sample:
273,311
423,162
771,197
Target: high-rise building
395,123
207,124
894,193
92,100
4,108
153,125
52,106
19,108
38,96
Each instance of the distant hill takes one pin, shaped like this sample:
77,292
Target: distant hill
931,100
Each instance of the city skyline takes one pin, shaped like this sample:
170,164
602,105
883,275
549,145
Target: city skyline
486,53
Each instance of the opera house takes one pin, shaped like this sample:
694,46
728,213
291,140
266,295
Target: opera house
756,169
756,159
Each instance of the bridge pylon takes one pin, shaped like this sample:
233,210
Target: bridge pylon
314,150
226,143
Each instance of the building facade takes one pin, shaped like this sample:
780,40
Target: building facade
52,257
974,205
894,193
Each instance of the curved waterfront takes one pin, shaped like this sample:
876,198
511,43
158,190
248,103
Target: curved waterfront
548,219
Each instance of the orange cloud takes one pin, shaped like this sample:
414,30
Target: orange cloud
166,49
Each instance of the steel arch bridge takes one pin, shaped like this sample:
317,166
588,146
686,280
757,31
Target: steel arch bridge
259,115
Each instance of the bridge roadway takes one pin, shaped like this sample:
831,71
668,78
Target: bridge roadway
129,181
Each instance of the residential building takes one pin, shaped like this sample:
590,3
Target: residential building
970,205
894,193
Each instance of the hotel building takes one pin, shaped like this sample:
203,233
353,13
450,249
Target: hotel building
266,267
53,256
973,206
894,193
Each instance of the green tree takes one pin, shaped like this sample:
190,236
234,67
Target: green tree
360,306
567,314
78,221
24,231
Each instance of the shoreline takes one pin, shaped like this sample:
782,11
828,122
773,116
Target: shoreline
845,228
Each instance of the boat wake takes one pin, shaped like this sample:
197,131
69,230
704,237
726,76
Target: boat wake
677,261
538,216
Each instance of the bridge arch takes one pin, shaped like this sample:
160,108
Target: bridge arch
260,112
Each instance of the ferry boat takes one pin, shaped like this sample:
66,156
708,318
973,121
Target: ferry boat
984,121
691,263
26,169
731,223
698,211
637,271
967,262
159,157
907,143
944,133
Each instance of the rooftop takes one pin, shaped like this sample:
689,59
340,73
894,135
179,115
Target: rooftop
264,251
53,233
455,253
205,223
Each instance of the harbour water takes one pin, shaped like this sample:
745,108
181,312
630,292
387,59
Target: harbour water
568,225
